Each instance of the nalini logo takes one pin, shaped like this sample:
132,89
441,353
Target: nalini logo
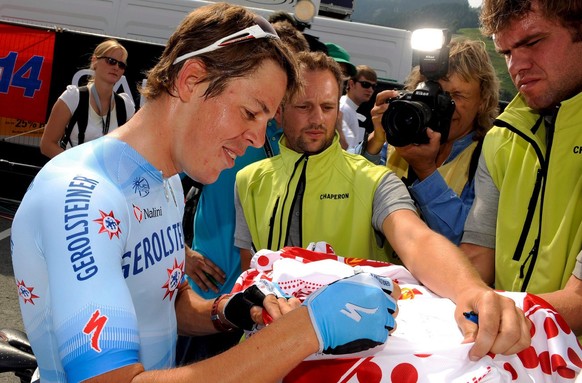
141,186
153,212
174,279
25,292
138,213
109,224
146,213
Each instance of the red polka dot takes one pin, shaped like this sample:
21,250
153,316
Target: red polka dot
369,371
567,373
560,366
563,325
557,362
509,368
527,303
529,358
422,355
574,357
545,364
404,373
551,328
263,260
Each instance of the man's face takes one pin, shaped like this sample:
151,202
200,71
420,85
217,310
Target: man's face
467,97
216,131
309,118
361,90
542,60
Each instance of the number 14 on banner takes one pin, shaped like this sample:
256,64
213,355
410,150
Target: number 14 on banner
26,77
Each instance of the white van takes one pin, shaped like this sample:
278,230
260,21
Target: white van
387,50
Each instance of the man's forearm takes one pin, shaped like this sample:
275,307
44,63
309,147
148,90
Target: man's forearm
193,313
375,142
483,259
568,302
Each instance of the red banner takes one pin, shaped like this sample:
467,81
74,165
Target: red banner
26,60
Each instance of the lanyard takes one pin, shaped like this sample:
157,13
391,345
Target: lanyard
105,124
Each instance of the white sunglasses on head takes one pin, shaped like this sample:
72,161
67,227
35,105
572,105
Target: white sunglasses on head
256,31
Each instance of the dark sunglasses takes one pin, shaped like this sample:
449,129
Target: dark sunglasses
111,61
368,84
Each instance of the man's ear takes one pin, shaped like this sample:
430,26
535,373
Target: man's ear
350,84
192,73
279,115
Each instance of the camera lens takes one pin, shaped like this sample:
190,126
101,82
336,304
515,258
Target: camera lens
405,122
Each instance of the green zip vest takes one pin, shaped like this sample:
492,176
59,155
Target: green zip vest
337,201
539,231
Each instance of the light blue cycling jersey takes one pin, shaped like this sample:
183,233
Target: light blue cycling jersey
98,255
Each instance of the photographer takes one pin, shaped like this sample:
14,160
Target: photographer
439,173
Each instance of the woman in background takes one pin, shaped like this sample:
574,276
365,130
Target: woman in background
101,109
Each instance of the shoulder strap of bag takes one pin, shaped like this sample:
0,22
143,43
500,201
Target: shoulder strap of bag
80,116
120,110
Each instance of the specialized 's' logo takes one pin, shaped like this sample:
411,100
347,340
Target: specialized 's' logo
174,279
108,224
26,292
94,327
141,186
353,312
138,213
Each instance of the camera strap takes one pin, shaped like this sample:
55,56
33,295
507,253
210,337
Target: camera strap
475,160
410,176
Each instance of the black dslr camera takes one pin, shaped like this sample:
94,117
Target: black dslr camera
409,115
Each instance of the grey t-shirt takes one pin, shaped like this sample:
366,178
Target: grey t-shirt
391,195
577,272
482,220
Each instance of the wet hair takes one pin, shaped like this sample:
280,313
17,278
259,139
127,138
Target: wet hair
469,59
496,15
201,28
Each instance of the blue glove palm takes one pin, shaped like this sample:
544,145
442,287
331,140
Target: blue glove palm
352,314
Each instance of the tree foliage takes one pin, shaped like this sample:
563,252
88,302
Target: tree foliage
413,14
455,15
